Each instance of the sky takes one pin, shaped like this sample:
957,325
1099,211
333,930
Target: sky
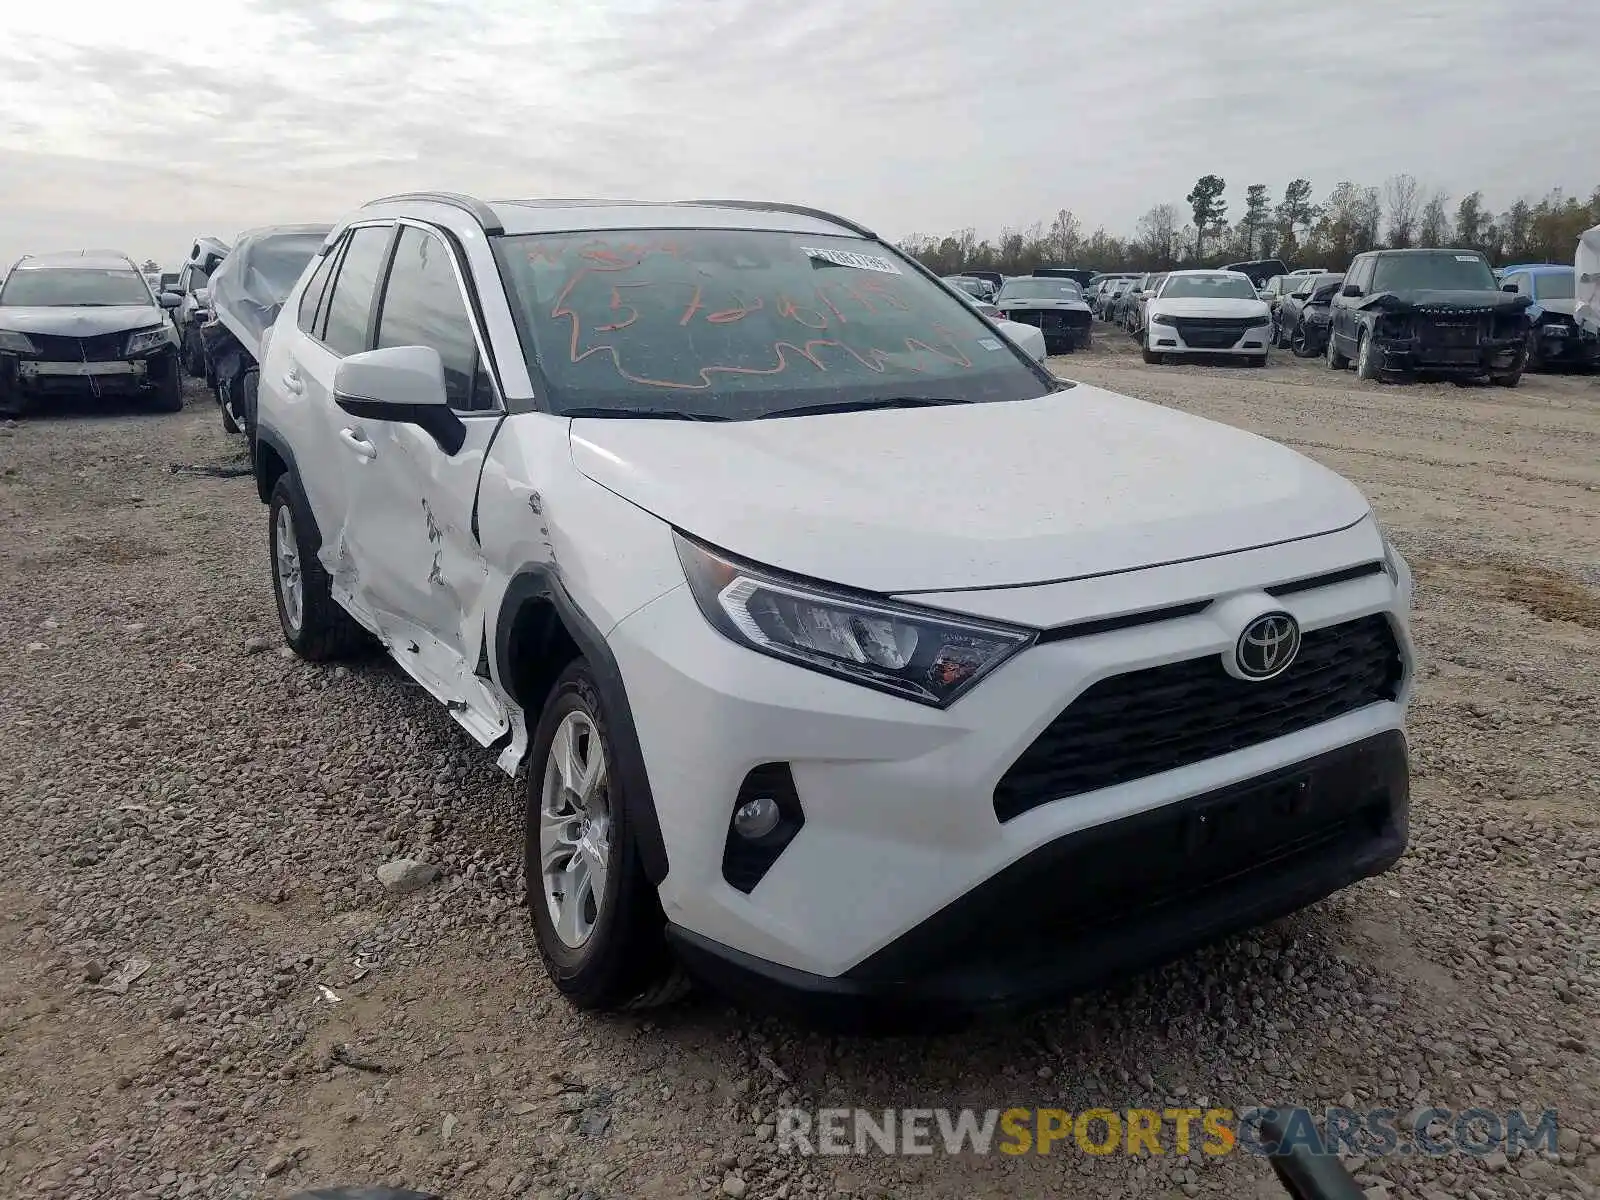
138,126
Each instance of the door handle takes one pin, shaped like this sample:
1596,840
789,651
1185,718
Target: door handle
293,383
363,448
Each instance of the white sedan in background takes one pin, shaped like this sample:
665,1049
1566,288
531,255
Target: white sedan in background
1209,313
1029,337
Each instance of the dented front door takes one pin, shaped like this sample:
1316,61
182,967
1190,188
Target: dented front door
416,569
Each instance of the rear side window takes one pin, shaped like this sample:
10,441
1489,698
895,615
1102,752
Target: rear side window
349,308
310,315
423,306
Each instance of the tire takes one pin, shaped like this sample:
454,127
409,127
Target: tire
603,948
194,359
1152,357
1299,343
323,631
1085,339
1366,360
1336,361
169,387
249,388
229,425
1508,380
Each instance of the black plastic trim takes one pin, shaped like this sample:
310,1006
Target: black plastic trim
539,581
477,209
1312,582
280,447
1150,616
439,421
746,861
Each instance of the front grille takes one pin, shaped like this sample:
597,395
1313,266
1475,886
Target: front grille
1212,333
105,347
1451,334
1142,723
1048,319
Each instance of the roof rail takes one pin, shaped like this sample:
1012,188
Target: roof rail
797,209
477,209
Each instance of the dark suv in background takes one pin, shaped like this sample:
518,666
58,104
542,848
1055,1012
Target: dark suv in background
1431,311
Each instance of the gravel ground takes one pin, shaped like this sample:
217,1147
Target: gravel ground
177,793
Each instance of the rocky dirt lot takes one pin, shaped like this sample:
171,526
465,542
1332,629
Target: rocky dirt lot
179,795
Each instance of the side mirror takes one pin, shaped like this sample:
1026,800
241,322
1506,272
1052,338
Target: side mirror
169,300
1350,289
404,384
1508,287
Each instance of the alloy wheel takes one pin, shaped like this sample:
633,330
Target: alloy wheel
575,829
286,557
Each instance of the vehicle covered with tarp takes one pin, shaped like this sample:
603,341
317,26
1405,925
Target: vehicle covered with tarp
1586,289
247,291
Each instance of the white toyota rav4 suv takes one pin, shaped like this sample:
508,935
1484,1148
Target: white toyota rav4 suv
859,664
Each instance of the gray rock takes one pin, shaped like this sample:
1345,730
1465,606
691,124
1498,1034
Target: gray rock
402,875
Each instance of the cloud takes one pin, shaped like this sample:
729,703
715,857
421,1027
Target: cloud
141,126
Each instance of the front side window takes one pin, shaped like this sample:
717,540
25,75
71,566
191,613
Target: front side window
423,306
350,304
1433,270
723,324
1554,285
1208,287
309,317
73,287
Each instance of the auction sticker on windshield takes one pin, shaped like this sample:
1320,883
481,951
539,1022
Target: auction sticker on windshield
1466,258
849,258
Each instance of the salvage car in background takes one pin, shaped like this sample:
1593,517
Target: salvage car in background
1554,338
1586,283
1301,322
246,291
703,608
85,323
972,285
1259,270
1053,305
1434,311
1027,337
1208,313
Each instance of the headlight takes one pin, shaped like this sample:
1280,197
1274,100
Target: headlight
925,656
1161,319
18,343
146,339
1554,331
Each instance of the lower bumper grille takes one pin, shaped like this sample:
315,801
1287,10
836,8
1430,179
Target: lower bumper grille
1130,726
105,347
1212,333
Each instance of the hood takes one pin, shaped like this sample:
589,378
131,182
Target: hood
1208,306
1565,307
1445,301
1029,337
1079,482
66,321
1043,302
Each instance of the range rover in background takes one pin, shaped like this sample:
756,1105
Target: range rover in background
1435,311
85,323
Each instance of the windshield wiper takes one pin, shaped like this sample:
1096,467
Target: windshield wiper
844,406
656,414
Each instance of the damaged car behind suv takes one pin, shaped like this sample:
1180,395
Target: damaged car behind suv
85,323
1406,312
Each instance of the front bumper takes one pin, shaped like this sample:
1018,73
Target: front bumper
900,800
1169,339
1575,348
1489,356
1110,900
28,378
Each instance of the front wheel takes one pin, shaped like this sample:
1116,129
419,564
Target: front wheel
595,913
1509,379
169,387
1366,358
1300,343
313,624
1150,356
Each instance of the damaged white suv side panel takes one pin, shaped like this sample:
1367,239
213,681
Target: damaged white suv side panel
833,630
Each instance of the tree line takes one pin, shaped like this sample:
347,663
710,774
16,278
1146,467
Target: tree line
1295,227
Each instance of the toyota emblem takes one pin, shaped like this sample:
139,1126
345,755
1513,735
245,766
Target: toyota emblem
1267,646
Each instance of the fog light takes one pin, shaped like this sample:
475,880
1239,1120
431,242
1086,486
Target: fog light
756,818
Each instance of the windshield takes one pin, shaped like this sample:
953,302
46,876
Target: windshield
1039,289
1433,270
53,287
1208,287
722,324
1557,285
